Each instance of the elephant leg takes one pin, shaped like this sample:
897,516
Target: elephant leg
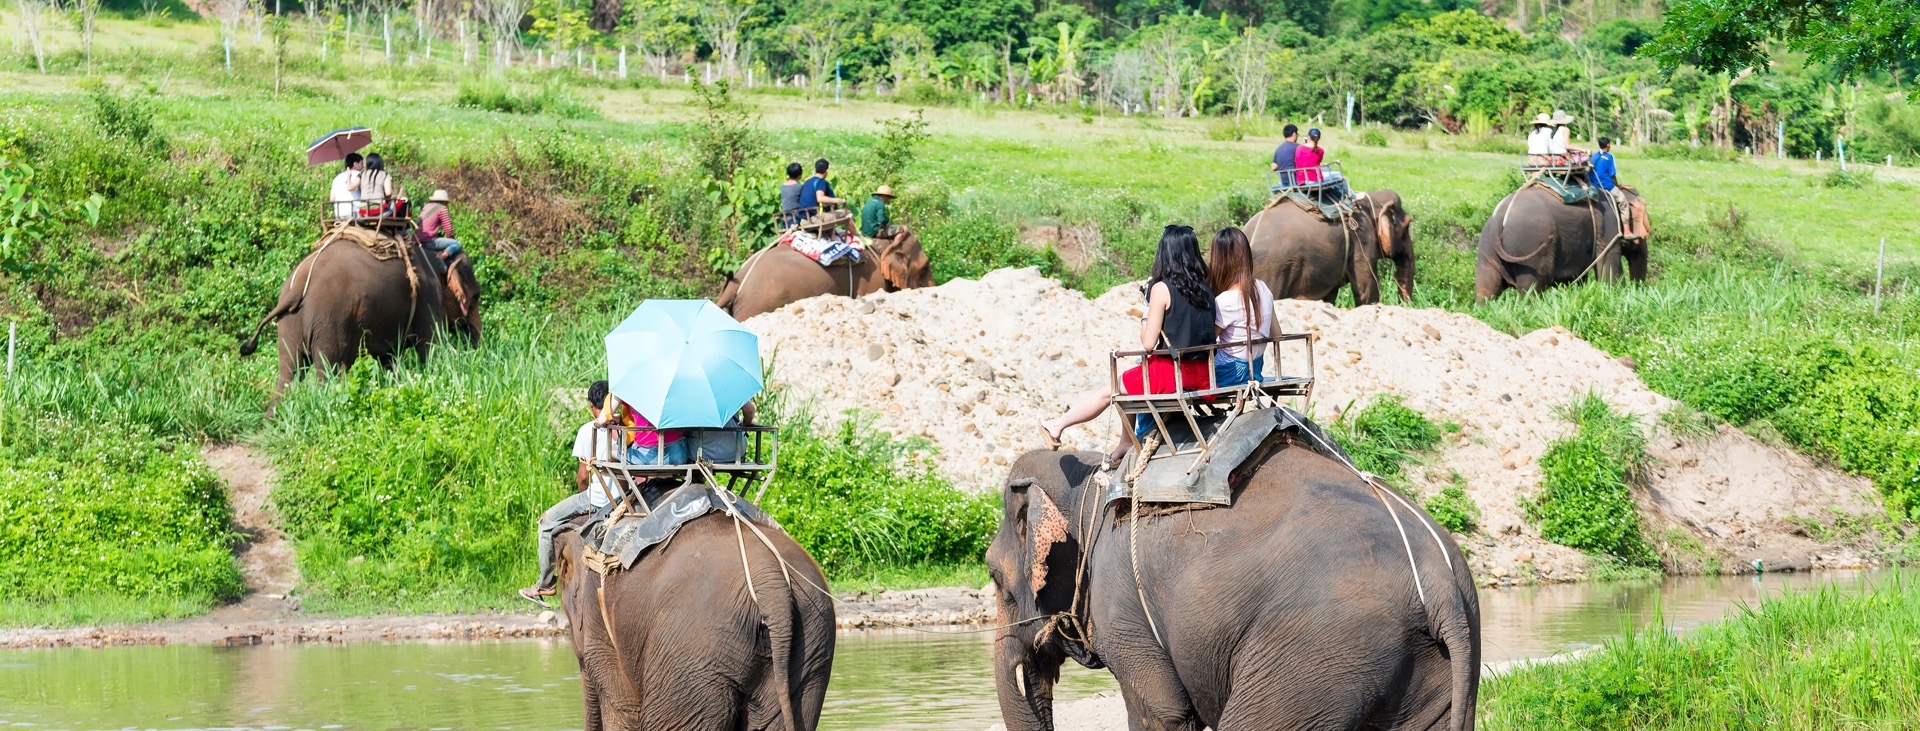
1526,279
590,695
1636,254
1488,280
1366,284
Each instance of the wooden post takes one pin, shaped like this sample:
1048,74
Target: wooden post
12,330
1879,272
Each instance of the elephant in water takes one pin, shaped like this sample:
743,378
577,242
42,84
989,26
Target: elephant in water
1534,240
778,276
342,297
1297,607
1303,256
681,641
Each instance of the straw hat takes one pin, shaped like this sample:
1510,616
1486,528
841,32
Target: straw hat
884,191
1561,117
1542,120
439,196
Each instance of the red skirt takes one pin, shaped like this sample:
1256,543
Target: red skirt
1195,374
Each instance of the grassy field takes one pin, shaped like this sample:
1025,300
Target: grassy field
416,491
1824,660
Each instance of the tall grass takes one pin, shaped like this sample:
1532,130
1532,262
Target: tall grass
1825,660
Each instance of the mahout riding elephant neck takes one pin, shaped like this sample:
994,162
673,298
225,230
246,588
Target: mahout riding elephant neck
778,276
1295,606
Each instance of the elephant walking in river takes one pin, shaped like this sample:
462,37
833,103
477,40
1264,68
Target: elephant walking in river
1535,240
778,276
342,298
682,642
1301,606
1301,255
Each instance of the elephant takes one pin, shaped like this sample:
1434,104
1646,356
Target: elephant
1535,240
1303,256
1303,605
777,276
682,642
341,297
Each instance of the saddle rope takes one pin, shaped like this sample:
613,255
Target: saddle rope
1380,492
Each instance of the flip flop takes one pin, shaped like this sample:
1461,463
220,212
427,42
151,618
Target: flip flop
533,595
1053,444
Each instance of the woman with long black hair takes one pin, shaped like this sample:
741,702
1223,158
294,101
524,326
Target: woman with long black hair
1179,315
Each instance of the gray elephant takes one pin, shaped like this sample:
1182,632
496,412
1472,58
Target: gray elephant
778,276
1535,240
1298,607
680,641
1303,256
342,297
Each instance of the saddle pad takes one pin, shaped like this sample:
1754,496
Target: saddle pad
1332,205
1570,193
632,535
1177,479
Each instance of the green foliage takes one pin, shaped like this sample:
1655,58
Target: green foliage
898,146
1683,151
551,99
1858,177
32,218
968,246
1385,435
1830,659
1856,37
128,118
1454,510
1225,131
1373,138
728,137
861,500
107,512
1585,499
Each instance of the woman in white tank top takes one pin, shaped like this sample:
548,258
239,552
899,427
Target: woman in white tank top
1243,309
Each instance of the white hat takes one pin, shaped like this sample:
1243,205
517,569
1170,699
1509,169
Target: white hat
439,196
1560,117
1542,119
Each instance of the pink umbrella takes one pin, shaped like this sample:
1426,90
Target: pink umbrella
335,145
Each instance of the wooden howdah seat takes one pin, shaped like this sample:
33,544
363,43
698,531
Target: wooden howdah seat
752,465
392,223
1186,420
1284,181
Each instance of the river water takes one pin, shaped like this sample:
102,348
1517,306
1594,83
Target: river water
881,680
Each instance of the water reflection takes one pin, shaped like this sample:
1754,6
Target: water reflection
889,680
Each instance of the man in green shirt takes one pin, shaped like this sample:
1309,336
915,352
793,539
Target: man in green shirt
874,223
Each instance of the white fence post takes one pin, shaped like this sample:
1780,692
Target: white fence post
1879,272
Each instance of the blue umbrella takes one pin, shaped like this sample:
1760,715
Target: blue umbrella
683,363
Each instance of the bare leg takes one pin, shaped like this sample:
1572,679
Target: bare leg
1086,409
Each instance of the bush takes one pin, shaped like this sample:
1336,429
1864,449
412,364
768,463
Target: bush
1385,435
1454,510
554,99
91,512
860,499
1858,177
1586,479
1226,130
1496,144
1373,138
898,146
968,246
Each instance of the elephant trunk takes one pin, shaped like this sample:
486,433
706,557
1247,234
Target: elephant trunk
1024,681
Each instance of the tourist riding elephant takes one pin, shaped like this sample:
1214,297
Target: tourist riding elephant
1534,240
778,276
1296,607
342,297
1303,256
682,641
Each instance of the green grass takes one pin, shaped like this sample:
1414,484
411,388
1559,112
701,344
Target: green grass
1822,660
1586,483
1383,437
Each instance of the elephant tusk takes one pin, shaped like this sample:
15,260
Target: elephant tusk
1020,678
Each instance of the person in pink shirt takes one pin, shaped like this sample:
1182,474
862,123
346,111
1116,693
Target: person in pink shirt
436,227
1309,158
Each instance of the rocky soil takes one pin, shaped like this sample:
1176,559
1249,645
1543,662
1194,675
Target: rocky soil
974,365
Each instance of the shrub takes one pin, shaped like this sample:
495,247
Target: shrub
1226,130
1373,138
728,136
898,146
970,245
1454,510
554,99
1586,479
1497,144
1858,177
1385,435
860,499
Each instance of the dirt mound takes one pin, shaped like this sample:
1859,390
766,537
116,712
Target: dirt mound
974,366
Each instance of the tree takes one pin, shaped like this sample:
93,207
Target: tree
88,9
720,22
1250,62
33,15
819,37
1727,36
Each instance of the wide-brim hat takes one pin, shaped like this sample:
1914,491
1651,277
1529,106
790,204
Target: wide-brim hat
1542,119
1561,117
884,191
439,196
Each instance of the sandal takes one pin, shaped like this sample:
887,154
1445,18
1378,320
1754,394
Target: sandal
533,595
1052,442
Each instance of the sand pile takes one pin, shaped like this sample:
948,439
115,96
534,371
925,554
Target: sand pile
975,365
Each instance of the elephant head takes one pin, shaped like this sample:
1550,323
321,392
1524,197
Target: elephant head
461,298
1394,226
1035,560
904,264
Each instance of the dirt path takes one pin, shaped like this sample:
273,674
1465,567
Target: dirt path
266,559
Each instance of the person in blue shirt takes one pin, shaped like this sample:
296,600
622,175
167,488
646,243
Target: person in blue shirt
1283,161
1603,169
817,192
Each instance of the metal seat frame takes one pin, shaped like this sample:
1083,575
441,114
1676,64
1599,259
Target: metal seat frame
754,466
1282,182
1258,392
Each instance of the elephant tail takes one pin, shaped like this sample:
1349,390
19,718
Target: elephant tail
1458,637
252,343
782,629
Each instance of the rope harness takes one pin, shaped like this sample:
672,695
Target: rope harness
382,248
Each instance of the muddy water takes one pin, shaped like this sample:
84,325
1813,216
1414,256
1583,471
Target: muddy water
880,680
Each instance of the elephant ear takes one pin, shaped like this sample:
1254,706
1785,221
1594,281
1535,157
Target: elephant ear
1383,224
1048,526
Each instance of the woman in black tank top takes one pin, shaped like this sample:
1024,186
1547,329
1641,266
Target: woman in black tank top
1179,315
